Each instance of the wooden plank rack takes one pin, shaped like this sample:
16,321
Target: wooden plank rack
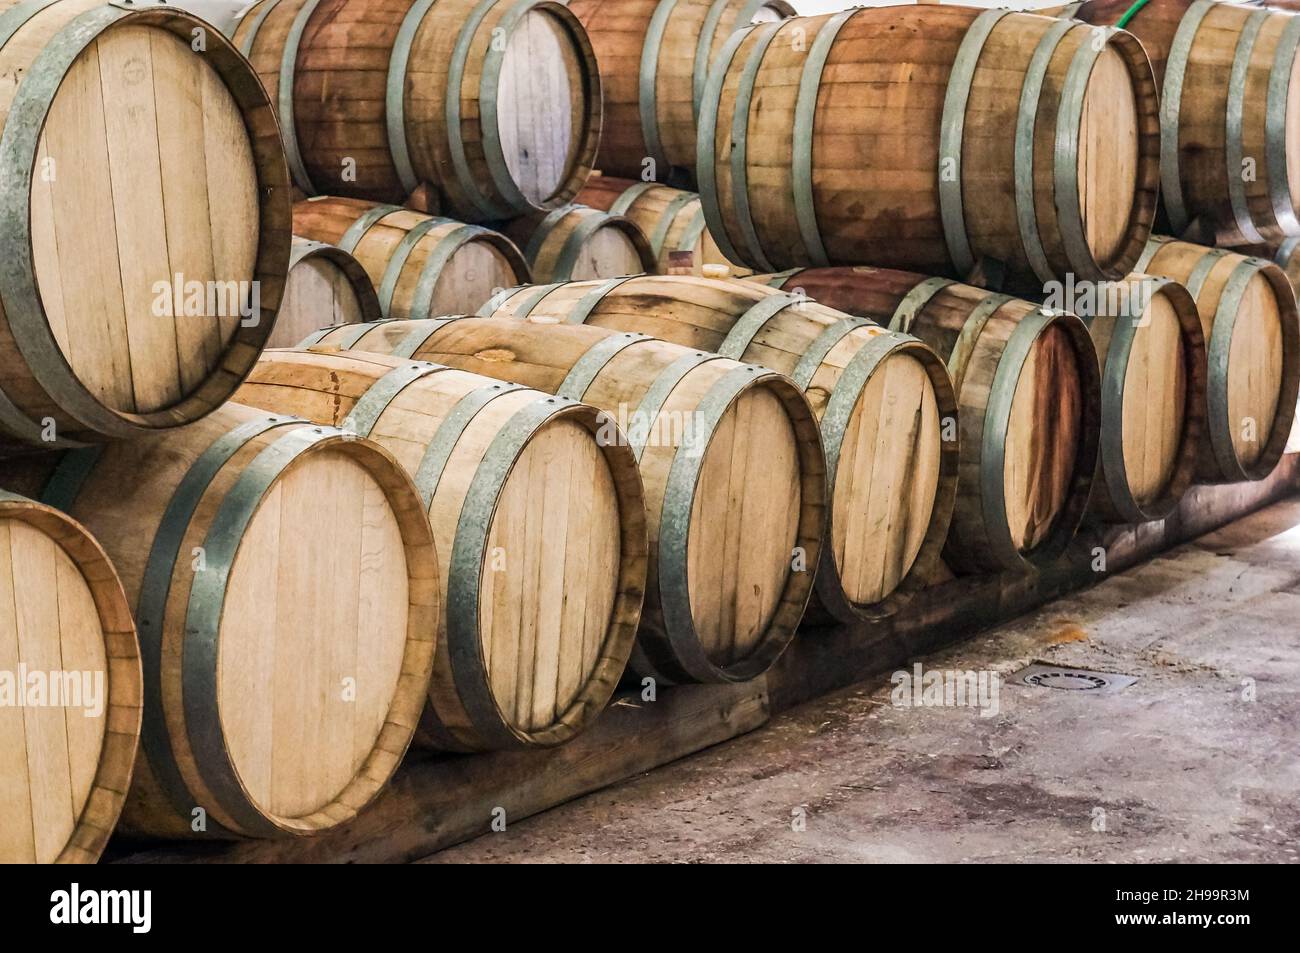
436,801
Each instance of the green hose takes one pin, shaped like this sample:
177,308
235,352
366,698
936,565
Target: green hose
1130,13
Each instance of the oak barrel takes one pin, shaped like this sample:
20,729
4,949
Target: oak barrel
1229,78
145,216
733,469
1252,331
884,403
494,103
285,589
576,243
421,265
671,220
540,523
325,285
1153,395
935,138
1028,388
654,58
70,688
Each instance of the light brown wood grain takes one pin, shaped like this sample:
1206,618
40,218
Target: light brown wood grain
537,136
321,651
1254,374
325,287
65,630
894,483
758,495
563,548
619,33
580,244
478,265
1201,126
673,217
153,176
1050,445
877,177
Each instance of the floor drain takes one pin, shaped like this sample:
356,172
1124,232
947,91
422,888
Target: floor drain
1072,679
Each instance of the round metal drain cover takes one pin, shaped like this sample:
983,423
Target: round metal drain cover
1073,681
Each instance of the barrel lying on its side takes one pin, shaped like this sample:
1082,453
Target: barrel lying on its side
1153,395
542,525
494,103
1252,331
576,242
146,221
421,265
326,285
1028,387
884,402
66,632
1229,77
285,589
654,57
935,138
733,469
671,220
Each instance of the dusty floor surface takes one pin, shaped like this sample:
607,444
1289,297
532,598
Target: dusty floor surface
1198,760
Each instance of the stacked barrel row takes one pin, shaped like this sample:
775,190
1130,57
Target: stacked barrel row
489,113
957,422
288,597
147,229
252,649
465,505
880,137
247,649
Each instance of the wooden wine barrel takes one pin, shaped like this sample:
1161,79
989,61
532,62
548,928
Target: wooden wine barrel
65,631
671,220
884,402
1230,126
654,57
541,524
1153,400
1028,386
325,285
576,243
733,469
146,256
285,590
998,139
496,105
421,265
1249,319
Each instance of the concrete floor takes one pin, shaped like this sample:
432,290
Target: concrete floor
1181,765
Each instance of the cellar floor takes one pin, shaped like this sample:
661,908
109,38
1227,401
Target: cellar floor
1199,759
